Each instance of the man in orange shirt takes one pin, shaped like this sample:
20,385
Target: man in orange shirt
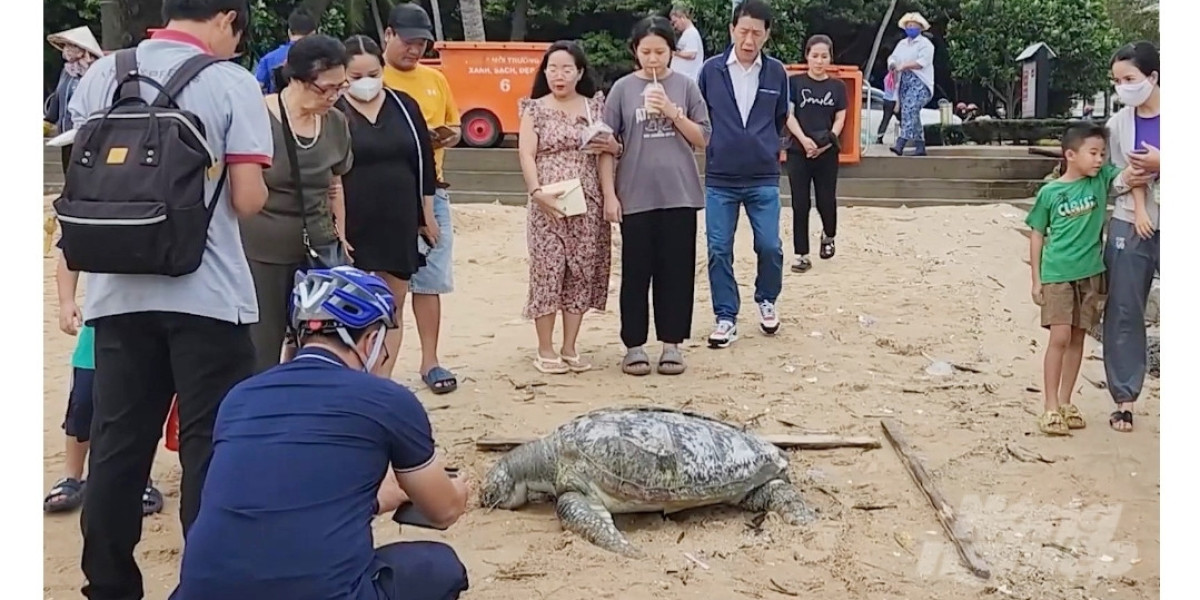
406,39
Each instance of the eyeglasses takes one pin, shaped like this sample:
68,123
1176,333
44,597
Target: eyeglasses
564,71
329,89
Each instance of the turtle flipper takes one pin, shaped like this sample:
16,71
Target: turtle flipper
594,523
781,497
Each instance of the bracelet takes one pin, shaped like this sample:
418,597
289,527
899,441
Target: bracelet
534,191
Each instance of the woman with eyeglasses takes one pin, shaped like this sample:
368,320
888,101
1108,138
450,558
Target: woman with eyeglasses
303,222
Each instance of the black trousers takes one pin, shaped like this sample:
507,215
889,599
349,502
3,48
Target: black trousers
658,253
142,360
807,177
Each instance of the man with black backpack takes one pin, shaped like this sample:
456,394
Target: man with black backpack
164,163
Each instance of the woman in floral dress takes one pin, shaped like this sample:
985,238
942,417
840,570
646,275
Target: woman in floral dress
569,257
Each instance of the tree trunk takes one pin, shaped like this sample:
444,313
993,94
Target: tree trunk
378,19
472,17
520,21
112,32
436,7
141,15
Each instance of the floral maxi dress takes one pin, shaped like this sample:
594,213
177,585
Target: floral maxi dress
570,257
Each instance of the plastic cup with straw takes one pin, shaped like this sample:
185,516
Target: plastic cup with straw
654,85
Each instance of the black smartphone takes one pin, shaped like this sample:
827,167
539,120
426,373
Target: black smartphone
409,514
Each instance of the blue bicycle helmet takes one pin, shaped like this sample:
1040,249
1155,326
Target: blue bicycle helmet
338,301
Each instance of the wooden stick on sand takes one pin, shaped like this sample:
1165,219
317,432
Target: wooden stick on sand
787,442
944,510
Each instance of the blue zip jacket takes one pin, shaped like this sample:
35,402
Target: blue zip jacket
267,65
740,156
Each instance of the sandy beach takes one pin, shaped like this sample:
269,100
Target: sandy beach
1073,518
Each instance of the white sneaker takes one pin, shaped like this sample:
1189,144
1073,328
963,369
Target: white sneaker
725,334
768,319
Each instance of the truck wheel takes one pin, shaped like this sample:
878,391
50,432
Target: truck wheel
481,129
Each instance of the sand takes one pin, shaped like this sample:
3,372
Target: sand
908,285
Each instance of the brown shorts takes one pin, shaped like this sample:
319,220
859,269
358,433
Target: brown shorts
1078,303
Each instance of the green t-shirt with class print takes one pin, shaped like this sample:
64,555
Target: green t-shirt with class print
1071,217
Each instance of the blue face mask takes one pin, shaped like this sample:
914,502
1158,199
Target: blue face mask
912,31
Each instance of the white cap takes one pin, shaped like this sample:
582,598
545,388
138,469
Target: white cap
80,36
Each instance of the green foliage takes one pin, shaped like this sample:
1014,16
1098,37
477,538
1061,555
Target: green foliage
1135,20
944,135
991,33
1023,131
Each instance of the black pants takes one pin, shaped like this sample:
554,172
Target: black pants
889,111
658,252
807,176
142,360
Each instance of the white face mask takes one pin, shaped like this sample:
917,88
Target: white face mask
1135,94
365,89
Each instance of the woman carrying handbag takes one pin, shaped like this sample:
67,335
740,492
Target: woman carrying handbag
302,224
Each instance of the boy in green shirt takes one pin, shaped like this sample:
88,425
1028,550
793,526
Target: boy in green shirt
1067,264
67,493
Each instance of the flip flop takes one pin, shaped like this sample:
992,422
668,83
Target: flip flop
577,364
65,496
440,380
636,362
152,500
671,362
550,366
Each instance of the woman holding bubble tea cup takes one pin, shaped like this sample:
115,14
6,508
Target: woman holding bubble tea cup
661,120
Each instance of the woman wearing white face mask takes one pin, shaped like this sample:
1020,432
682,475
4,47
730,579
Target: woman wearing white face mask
1131,251
393,173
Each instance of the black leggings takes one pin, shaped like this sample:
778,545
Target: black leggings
658,251
806,176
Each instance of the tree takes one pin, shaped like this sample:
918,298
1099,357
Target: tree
1136,20
990,34
472,18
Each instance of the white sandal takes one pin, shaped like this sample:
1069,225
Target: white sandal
550,366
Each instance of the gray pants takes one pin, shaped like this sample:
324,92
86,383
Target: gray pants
273,284
1131,262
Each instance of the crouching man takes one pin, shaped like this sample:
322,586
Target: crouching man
299,453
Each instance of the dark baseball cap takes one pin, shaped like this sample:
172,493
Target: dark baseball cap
410,22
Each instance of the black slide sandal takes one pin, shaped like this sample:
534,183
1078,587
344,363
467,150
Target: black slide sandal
1121,416
65,496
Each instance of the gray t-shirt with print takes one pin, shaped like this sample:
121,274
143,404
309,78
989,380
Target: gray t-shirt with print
229,102
658,168
274,236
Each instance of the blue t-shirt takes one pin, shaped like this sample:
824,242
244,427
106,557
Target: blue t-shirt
298,454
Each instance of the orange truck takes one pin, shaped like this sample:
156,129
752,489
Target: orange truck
851,147
488,80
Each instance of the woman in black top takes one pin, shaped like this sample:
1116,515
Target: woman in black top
818,114
393,173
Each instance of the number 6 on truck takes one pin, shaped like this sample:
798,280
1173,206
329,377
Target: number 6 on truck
505,85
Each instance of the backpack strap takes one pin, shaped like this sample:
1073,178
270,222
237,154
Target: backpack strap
182,77
126,74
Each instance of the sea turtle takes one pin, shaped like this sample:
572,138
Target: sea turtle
643,459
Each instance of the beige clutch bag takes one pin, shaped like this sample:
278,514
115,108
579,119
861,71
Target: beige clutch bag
571,203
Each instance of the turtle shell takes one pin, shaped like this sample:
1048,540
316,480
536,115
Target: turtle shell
660,457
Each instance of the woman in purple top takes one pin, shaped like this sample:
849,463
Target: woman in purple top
1130,257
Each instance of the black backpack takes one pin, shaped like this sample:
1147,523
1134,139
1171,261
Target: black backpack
134,201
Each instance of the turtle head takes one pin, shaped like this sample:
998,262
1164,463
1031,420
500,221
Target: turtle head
528,467
500,489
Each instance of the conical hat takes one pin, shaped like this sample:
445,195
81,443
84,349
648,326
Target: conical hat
80,36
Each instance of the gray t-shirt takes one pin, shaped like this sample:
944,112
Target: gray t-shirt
274,235
658,168
228,101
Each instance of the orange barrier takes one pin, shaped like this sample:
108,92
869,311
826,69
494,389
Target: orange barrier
488,80
851,147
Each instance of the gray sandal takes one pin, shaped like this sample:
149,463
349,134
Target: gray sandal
671,362
636,362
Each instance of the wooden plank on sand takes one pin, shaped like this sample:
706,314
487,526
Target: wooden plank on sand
944,510
810,441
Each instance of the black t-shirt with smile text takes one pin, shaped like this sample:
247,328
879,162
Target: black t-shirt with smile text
817,102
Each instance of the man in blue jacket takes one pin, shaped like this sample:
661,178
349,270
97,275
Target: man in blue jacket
747,96
300,24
